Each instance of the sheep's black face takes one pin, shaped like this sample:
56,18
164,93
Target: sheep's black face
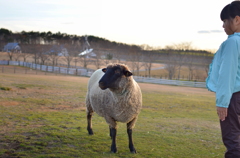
112,77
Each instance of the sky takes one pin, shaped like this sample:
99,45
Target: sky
157,23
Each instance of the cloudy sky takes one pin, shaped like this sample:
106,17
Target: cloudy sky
152,22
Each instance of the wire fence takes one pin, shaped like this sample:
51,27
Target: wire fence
31,68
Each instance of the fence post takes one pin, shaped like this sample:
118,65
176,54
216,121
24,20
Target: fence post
45,70
3,69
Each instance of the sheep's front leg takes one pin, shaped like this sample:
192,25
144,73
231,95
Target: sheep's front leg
130,125
113,136
113,132
131,146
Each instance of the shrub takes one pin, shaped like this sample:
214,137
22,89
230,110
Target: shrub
5,88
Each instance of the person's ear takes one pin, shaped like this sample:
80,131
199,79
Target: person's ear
237,19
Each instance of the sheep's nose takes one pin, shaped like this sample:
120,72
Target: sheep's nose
101,85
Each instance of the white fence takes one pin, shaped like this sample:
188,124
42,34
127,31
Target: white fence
63,70
170,82
85,72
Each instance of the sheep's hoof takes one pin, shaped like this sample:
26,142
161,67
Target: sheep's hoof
90,132
134,151
113,149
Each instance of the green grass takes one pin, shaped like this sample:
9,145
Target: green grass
5,88
47,119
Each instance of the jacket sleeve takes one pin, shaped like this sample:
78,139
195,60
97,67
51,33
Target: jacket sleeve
227,73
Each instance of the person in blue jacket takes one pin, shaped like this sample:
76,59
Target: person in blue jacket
224,79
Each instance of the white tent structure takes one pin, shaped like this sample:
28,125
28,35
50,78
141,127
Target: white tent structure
88,51
85,52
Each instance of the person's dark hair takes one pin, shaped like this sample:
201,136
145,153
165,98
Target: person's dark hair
230,11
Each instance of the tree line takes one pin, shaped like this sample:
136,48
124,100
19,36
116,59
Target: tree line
35,44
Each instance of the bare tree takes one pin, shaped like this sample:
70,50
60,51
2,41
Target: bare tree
36,56
68,58
180,62
25,56
107,57
16,56
117,55
25,53
183,46
206,60
43,58
53,56
71,53
84,61
148,61
190,64
146,47
180,52
43,53
75,60
135,59
97,61
171,63
10,54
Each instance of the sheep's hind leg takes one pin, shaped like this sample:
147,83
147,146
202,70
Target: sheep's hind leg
130,125
89,116
110,134
89,123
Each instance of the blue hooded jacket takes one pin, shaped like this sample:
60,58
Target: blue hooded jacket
224,71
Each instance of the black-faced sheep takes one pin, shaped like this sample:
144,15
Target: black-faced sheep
116,96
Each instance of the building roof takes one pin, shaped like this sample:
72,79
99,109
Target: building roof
11,46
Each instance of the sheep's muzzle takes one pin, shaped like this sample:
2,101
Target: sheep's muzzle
101,85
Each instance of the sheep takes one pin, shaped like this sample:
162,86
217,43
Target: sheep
116,96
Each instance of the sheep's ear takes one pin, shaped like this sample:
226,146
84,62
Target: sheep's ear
104,70
127,73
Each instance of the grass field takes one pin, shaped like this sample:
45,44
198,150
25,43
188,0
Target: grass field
44,116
